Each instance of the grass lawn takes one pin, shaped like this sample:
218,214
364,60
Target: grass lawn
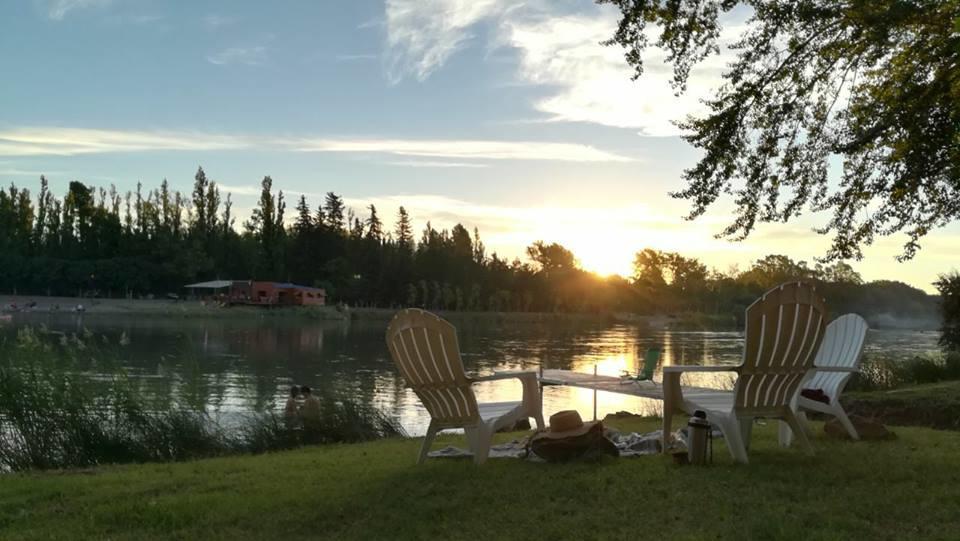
908,488
935,405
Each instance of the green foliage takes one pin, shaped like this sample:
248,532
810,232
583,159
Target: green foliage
882,374
949,287
53,415
675,284
267,227
872,82
551,257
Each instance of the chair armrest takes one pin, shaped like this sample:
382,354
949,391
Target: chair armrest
520,374
850,369
684,368
532,403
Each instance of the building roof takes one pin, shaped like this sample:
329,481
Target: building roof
220,284
213,284
288,285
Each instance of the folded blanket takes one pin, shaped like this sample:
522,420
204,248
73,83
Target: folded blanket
815,394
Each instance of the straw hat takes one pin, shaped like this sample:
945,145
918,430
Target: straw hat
567,423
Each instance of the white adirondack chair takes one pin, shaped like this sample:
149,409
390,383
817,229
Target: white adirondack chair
424,347
784,329
836,362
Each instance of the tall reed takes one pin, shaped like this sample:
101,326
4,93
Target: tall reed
55,413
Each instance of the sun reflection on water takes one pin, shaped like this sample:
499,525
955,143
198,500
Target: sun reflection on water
611,352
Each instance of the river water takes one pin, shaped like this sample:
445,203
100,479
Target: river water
232,365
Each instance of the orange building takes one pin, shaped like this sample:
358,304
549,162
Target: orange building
257,293
276,294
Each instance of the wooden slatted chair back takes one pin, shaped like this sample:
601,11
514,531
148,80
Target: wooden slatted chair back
841,347
784,329
425,349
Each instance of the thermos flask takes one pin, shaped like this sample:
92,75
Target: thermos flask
697,434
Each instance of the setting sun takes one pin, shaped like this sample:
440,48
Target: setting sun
605,259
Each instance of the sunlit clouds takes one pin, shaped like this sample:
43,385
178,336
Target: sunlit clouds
587,81
592,83
464,149
603,238
59,141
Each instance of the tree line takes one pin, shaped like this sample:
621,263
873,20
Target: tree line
100,242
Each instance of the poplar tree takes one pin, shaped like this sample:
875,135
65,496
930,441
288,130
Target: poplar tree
334,209
404,231
374,225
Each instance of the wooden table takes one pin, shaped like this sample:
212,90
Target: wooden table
612,384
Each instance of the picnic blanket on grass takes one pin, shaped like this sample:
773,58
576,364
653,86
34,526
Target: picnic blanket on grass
631,444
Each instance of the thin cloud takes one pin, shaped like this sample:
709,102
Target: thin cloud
372,23
240,190
424,163
72,141
26,173
355,57
58,9
464,149
215,21
40,141
139,20
251,190
248,56
421,35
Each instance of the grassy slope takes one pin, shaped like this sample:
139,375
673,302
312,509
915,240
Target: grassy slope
935,405
908,488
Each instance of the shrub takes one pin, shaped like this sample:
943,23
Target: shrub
949,287
887,373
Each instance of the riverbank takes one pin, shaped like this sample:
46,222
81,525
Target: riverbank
151,307
692,321
933,405
906,488
194,308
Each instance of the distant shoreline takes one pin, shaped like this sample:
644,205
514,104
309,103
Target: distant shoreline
198,309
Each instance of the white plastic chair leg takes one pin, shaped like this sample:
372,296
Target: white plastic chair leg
538,417
799,432
427,442
845,421
533,401
804,423
785,434
479,439
746,431
734,438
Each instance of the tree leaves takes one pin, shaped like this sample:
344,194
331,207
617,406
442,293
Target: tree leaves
874,83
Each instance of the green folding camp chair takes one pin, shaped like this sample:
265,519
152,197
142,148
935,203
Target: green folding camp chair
650,360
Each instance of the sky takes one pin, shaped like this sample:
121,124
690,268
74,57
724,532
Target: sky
504,115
